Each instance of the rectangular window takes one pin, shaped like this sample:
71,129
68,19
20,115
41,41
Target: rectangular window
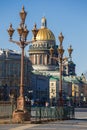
52,84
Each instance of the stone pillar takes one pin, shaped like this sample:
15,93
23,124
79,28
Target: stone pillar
45,58
37,59
34,59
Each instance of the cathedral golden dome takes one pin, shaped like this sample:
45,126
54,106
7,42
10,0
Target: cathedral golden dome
44,33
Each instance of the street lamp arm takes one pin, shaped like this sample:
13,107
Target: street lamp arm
20,43
28,42
55,58
65,58
17,42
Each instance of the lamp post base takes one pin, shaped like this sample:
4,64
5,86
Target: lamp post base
20,116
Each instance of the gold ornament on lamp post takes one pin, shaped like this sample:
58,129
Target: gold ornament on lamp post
21,113
35,31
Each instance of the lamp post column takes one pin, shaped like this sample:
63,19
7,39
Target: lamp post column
22,73
60,53
21,98
60,85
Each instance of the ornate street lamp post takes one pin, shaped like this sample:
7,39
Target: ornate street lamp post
21,113
60,53
60,59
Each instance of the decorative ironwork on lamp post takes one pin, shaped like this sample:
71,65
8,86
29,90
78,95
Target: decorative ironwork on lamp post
61,60
22,43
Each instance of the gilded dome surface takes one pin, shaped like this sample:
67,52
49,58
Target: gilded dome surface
45,34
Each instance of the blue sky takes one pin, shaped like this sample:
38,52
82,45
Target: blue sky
66,16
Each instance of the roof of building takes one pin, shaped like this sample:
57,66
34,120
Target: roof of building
54,77
2,51
8,53
72,79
